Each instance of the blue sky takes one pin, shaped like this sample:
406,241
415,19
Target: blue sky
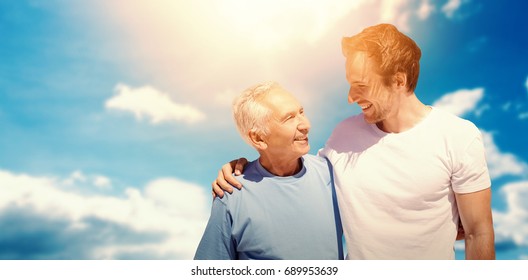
115,118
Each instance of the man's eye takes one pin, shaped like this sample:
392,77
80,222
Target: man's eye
360,88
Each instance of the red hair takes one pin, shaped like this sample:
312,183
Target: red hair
390,50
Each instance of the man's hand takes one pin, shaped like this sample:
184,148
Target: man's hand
225,180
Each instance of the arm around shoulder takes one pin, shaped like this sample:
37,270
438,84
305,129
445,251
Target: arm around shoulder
225,180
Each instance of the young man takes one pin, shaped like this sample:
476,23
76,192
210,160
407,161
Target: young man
288,208
405,173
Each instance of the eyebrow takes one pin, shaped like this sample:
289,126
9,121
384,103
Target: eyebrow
360,83
289,113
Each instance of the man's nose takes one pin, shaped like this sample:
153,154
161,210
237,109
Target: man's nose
352,97
304,124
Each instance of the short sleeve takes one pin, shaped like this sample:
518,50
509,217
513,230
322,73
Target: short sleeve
472,173
216,242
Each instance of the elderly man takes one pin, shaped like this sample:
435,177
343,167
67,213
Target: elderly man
288,208
405,173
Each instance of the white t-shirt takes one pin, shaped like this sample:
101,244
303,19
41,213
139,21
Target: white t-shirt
396,191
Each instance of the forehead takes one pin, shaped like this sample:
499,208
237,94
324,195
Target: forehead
280,101
358,67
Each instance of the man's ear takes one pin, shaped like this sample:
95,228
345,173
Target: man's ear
257,140
400,80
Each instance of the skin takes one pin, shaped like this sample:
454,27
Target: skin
475,213
288,122
280,150
395,109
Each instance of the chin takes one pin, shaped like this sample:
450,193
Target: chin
373,120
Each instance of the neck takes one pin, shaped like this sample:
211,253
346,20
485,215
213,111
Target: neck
408,111
281,167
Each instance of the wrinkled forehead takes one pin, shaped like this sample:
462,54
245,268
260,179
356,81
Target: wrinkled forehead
278,98
278,95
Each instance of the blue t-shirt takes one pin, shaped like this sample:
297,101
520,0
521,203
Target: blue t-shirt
294,217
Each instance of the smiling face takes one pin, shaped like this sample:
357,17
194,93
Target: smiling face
288,127
367,90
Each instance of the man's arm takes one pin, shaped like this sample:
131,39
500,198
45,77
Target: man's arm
216,242
225,180
475,213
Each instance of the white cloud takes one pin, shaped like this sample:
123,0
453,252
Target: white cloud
512,225
500,163
79,179
526,84
177,209
479,111
102,182
272,24
199,48
76,177
523,116
397,12
202,47
153,104
425,9
451,7
461,101
226,97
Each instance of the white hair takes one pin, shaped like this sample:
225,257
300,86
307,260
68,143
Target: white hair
249,114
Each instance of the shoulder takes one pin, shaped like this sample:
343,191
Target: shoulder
228,200
319,166
346,129
455,126
350,122
453,120
247,179
461,137
316,161
351,134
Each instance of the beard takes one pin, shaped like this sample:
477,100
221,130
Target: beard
382,104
